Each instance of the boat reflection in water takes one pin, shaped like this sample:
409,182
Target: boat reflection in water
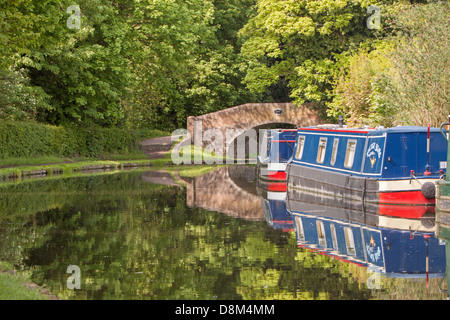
273,203
397,241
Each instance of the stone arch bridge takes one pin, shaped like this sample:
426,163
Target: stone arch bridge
246,119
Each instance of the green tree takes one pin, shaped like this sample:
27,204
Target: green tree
297,41
25,25
87,73
417,84
19,99
356,93
141,63
216,82
402,79
166,34
188,62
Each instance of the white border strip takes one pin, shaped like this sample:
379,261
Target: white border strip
403,185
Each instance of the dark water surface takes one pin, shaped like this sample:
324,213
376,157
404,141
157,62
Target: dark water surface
152,235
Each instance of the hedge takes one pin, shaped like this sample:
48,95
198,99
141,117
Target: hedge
31,140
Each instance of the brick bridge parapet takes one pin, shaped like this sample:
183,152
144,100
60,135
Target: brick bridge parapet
251,115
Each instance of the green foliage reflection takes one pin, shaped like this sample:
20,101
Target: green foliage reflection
134,240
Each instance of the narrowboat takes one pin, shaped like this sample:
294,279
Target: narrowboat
276,148
361,167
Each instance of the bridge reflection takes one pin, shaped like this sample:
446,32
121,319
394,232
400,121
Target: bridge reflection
229,190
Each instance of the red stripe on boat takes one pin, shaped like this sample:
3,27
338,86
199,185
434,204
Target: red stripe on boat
277,175
333,130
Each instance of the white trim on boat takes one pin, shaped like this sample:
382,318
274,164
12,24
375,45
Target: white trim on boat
402,185
276,166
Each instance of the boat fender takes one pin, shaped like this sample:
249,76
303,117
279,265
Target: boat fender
429,190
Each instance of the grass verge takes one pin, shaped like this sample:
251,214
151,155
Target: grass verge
17,286
47,166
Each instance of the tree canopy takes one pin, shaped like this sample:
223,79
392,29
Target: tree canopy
152,63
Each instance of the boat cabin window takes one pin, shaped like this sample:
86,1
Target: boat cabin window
321,150
350,241
321,234
350,153
300,147
334,152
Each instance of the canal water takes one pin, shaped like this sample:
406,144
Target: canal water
154,235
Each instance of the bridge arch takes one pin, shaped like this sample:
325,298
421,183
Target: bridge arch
245,119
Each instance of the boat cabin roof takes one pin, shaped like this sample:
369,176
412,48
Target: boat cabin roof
367,130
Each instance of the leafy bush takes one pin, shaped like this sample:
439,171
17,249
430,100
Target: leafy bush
19,140
403,79
417,84
357,89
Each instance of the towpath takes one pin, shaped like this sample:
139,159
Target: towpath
156,148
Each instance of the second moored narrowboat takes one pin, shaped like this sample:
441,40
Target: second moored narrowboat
277,147
397,165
